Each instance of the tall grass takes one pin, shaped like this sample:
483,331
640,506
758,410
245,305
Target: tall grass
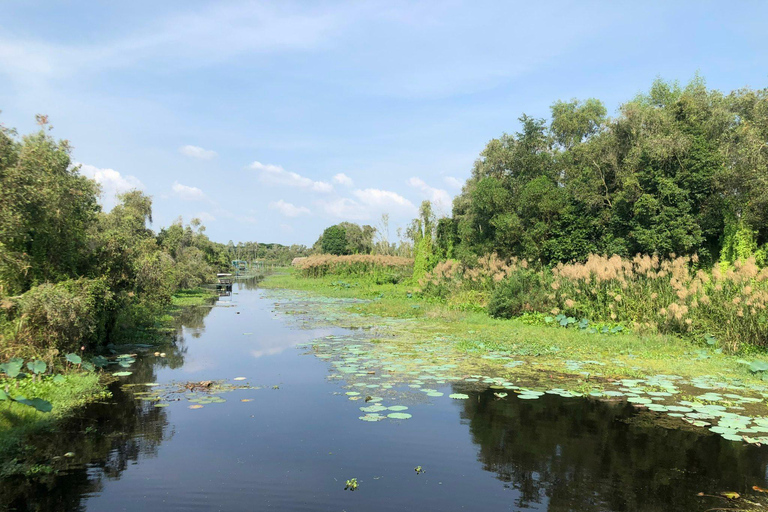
646,293
383,269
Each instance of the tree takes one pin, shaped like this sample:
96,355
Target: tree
421,231
334,240
46,211
668,175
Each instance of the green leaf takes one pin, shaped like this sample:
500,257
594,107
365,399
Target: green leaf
37,367
3,395
74,358
122,374
59,379
758,366
37,403
88,366
100,361
13,367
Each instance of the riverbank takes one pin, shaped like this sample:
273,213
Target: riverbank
552,352
68,389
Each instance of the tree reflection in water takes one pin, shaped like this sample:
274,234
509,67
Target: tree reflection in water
104,437
578,454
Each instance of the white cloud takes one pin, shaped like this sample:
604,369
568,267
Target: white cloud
343,179
197,152
276,175
195,37
111,181
344,209
375,197
369,203
453,182
205,217
440,198
288,209
187,193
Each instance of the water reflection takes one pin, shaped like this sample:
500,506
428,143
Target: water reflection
578,454
105,438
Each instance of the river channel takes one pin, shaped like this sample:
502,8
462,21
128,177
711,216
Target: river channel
284,433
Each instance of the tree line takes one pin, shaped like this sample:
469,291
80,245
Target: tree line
680,170
72,274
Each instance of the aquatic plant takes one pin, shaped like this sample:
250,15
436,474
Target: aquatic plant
727,304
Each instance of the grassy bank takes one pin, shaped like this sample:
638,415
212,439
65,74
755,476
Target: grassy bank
68,389
623,353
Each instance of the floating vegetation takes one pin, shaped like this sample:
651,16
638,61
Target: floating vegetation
351,484
406,370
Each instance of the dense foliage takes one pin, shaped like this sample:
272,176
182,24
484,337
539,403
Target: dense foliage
346,238
645,293
382,269
72,275
680,170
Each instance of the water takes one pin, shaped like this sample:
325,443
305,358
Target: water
292,448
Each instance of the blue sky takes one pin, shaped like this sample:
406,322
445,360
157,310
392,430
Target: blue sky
273,120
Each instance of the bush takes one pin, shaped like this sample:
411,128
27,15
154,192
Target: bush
520,292
647,293
383,269
63,316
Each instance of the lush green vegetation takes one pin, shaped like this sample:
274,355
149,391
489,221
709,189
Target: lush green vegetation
72,275
381,269
680,170
75,280
673,191
624,353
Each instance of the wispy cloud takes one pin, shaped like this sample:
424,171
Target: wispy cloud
197,152
187,193
453,182
276,175
383,198
440,198
205,217
288,209
112,183
343,179
344,209
195,38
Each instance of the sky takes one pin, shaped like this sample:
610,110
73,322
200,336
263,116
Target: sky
270,121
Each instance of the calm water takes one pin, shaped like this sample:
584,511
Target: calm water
293,448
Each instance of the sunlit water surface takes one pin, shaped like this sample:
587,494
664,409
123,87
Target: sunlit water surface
293,447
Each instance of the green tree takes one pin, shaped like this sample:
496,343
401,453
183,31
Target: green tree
334,240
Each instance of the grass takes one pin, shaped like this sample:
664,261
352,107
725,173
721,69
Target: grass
192,297
625,355
19,422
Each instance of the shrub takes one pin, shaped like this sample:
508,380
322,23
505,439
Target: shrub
646,293
451,277
520,292
62,316
383,269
